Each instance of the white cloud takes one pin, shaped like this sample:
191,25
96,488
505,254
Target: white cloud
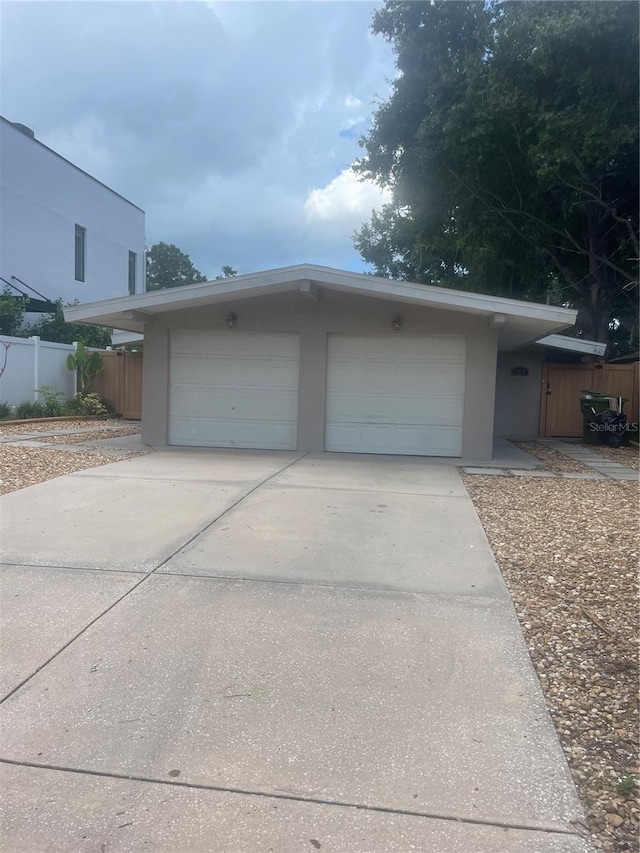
346,201
227,122
87,145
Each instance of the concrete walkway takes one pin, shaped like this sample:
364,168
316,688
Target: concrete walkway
600,464
233,651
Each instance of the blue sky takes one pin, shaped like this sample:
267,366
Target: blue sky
233,124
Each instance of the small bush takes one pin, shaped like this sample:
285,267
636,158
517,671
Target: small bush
90,404
52,402
626,786
6,411
73,406
28,410
93,404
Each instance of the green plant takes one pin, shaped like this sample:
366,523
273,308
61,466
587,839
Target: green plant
626,786
93,404
87,404
87,365
52,401
73,406
6,411
28,410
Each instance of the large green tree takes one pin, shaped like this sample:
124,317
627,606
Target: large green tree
12,310
510,141
169,266
53,327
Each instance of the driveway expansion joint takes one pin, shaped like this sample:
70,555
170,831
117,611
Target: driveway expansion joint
76,636
226,511
483,598
575,829
362,490
92,569
142,580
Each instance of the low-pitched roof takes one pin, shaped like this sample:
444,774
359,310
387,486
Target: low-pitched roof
518,323
578,345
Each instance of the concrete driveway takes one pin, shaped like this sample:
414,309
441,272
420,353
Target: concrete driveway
248,651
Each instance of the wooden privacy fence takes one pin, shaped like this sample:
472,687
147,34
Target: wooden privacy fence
120,382
562,386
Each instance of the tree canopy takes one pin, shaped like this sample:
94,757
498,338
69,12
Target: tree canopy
226,272
169,266
12,309
49,327
53,327
510,141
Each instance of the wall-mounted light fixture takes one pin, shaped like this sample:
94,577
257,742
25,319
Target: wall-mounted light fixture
232,320
397,322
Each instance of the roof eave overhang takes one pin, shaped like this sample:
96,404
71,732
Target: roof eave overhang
519,322
577,345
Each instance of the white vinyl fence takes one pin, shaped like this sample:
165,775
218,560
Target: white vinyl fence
31,364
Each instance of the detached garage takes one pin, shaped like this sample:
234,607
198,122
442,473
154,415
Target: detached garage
313,359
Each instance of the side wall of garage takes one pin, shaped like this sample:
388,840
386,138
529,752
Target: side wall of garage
518,395
314,320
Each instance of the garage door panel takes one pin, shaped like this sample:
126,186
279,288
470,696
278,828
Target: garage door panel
346,378
413,379
412,441
234,389
376,378
209,432
447,380
381,409
272,405
395,394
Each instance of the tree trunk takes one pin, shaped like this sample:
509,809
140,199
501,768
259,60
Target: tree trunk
594,317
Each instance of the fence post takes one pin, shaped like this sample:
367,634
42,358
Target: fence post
75,372
36,366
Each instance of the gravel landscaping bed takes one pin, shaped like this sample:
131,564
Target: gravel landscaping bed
568,550
628,456
554,461
54,426
25,466
80,438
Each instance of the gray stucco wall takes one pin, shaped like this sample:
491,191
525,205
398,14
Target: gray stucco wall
517,412
313,321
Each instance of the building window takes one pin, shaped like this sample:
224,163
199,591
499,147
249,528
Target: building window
132,273
81,244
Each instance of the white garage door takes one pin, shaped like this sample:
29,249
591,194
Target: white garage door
234,389
395,394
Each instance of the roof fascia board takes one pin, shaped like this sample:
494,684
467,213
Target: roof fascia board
579,345
280,280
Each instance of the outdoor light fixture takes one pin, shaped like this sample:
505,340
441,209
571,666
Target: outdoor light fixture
232,320
397,322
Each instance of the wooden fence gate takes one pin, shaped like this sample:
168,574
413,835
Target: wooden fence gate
562,386
120,382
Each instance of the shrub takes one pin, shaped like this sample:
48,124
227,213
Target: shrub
6,411
73,406
93,404
89,404
52,402
86,365
28,410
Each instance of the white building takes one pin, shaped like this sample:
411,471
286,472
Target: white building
62,232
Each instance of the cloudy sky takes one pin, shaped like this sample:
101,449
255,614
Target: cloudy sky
233,124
